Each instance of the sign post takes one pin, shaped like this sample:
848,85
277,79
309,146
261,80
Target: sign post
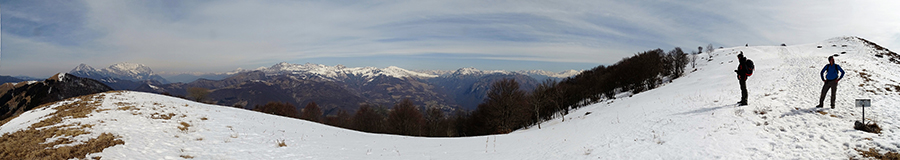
863,103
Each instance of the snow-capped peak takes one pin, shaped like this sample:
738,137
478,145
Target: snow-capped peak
473,71
569,73
339,71
236,71
129,68
83,67
563,74
124,70
395,71
467,71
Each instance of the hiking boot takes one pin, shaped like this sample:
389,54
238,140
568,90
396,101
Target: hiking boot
832,106
742,103
819,106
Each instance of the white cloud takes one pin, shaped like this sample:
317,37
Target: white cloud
223,35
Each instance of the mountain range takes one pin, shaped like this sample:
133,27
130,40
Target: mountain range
332,87
9,79
345,88
120,76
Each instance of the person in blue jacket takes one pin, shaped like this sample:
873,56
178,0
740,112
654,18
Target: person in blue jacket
831,80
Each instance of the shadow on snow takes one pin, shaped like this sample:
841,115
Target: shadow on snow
702,110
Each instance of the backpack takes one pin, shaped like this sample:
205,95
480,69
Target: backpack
749,65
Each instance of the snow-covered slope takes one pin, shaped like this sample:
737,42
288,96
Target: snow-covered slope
693,117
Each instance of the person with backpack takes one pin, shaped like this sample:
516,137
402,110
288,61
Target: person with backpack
831,79
745,69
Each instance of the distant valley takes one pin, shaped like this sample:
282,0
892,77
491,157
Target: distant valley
333,88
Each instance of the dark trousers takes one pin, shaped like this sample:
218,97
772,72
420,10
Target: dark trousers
829,84
743,90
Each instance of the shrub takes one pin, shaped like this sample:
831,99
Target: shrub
311,112
872,153
405,119
341,120
281,143
460,124
366,119
435,123
871,127
504,110
278,108
544,98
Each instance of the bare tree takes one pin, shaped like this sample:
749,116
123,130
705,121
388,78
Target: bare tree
505,106
545,99
405,119
435,123
311,112
367,119
709,48
277,108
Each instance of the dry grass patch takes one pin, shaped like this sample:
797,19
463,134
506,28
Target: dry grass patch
203,118
281,143
127,108
872,153
32,142
761,111
162,116
822,112
870,127
184,126
187,156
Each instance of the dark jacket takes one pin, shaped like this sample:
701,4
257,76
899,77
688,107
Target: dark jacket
832,70
741,70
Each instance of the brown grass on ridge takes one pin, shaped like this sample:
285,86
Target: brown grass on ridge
872,153
184,126
31,143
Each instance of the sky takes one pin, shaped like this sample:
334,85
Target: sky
42,37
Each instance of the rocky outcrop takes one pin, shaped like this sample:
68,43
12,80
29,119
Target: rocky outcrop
16,98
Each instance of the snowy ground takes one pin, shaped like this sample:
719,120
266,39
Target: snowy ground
693,117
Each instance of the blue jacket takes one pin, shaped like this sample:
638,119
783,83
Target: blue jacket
832,70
